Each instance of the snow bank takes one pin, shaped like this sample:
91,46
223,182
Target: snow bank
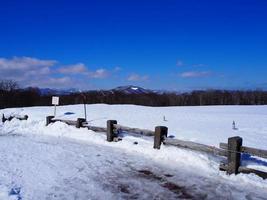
205,124
209,125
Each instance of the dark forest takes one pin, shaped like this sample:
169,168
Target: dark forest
11,95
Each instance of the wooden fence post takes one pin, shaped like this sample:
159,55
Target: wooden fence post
49,120
79,122
234,158
160,133
3,118
110,130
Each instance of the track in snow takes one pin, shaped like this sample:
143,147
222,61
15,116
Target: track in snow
42,167
52,168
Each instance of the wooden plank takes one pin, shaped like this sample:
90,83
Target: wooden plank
84,124
19,117
194,146
25,117
253,151
144,132
246,170
223,146
97,129
69,122
94,128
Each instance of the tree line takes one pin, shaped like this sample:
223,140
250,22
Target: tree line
11,95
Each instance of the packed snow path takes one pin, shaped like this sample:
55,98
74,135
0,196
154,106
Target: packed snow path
52,168
62,162
42,167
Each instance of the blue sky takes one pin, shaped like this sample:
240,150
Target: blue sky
166,44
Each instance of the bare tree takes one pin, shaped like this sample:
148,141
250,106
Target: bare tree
8,85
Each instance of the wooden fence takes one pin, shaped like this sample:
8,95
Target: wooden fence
234,159
231,150
4,119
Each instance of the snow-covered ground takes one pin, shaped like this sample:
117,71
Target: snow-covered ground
62,162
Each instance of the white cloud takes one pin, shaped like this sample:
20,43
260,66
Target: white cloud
35,72
195,74
136,77
78,68
32,72
23,68
99,74
24,63
42,71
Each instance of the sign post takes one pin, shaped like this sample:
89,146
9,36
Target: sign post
84,105
55,102
85,115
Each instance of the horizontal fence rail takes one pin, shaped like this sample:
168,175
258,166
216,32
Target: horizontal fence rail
234,160
252,151
245,170
139,131
97,129
195,146
69,122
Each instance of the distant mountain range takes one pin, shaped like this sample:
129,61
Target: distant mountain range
48,91
128,89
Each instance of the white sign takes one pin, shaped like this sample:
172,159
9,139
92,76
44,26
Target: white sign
55,101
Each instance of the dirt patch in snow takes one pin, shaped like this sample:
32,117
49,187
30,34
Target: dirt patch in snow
173,187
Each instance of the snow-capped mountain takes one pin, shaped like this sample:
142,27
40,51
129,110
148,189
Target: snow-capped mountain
131,89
